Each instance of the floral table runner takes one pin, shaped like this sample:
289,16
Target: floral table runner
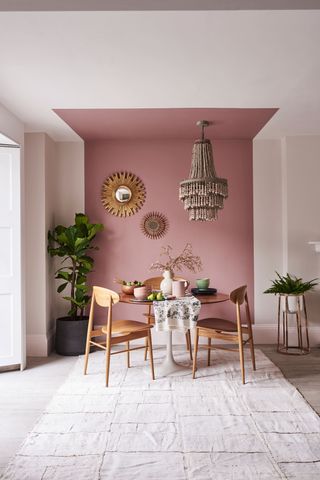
178,314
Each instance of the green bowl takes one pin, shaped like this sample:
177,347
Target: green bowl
203,283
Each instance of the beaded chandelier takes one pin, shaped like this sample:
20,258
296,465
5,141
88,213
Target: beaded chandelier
203,193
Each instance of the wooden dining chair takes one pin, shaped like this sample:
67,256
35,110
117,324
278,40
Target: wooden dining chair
118,331
220,329
154,284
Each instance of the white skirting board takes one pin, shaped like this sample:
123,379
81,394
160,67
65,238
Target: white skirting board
267,334
40,345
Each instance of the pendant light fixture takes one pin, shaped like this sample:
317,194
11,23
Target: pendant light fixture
203,193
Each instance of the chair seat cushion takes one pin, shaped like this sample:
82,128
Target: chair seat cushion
127,326
219,324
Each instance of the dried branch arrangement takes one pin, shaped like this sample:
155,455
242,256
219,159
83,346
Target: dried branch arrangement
186,259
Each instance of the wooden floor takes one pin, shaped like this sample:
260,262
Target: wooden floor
302,371
24,395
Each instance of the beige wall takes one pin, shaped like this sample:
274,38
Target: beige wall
35,243
55,192
267,215
65,181
303,217
286,199
51,182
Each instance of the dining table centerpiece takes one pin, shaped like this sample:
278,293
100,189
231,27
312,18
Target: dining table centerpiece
170,264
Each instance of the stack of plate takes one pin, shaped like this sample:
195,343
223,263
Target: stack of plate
203,291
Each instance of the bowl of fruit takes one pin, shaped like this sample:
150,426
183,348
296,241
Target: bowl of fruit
128,287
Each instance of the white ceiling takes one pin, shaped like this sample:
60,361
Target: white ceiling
217,59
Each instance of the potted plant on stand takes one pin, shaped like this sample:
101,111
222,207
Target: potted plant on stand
292,305
72,244
291,287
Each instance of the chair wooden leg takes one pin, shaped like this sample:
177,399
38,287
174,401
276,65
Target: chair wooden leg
242,361
151,354
146,340
128,355
108,350
209,350
146,350
195,353
86,357
253,358
188,342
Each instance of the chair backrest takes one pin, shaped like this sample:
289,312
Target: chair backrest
239,295
104,298
154,282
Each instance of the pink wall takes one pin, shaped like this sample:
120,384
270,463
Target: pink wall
225,246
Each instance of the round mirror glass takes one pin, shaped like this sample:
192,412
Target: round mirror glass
123,194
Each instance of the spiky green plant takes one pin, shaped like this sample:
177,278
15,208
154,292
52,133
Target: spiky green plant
72,244
290,285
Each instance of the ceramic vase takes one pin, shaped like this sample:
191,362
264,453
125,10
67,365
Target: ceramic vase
166,283
294,301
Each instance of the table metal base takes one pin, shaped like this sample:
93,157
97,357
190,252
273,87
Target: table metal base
169,366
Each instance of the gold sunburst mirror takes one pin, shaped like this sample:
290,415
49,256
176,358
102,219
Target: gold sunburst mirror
123,194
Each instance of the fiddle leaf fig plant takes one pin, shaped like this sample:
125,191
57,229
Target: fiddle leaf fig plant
290,285
72,244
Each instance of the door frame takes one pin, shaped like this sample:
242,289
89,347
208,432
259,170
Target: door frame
21,327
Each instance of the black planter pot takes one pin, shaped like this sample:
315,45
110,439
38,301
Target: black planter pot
71,336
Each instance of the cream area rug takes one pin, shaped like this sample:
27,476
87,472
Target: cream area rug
173,428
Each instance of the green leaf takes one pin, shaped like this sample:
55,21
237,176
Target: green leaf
63,275
62,287
81,219
290,284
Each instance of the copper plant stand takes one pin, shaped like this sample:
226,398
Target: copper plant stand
300,313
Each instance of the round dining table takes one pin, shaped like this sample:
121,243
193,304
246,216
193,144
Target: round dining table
169,365
204,299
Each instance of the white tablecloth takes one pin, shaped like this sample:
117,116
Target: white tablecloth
178,314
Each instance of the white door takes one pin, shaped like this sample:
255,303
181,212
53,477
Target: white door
11,347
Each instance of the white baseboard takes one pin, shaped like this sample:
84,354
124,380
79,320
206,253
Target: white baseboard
40,345
50,340
268,334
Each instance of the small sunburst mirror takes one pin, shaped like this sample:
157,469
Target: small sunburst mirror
154,225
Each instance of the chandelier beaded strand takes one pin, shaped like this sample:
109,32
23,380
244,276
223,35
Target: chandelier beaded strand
203,193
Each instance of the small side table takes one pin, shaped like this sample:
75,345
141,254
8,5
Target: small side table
301,322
